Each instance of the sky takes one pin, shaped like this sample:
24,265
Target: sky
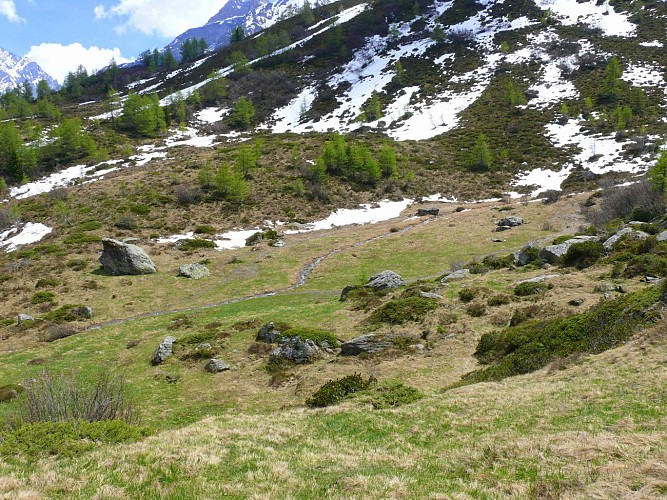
60,35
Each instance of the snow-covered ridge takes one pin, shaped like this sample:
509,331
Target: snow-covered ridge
16,70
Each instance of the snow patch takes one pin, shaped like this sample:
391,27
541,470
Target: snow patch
31,232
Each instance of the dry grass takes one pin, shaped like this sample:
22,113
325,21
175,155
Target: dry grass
594,430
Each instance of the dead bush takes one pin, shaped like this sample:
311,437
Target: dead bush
68,397
638,201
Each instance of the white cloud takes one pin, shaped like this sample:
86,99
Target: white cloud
58,60
163,17
8,9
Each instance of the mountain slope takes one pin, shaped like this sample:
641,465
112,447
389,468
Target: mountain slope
14,71
252,15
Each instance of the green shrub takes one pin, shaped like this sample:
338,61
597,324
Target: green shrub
392,394
80,238
641,265
47,282
195,244
531,288
491,262
562,239
205,229
77,264
317,336
476,310
9,392
401,311
198,338
533,344
498,300
68,312
42,297
89,225
139,209
467,294
334,391
584,254
67,439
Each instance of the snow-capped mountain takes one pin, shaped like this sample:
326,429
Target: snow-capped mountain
252,15
16,70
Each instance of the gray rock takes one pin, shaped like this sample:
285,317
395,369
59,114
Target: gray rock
576,302
539,279
369,344
164,350
500,229
524,256
204,347
268,334
511,221
430,295
552,253
385,279
374,343
193,271
627,233
427,211
621,288
23,318
662,236
120,258
455,275
216,366
296,350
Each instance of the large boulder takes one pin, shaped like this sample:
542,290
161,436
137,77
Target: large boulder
120,258
552,253
164,350
662,236
193,271
385,279
627,233
296,350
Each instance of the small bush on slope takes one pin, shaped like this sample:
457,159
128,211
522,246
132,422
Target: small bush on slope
532,345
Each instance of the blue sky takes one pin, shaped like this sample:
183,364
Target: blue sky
59,35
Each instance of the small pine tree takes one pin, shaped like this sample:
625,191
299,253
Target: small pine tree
243,114
480,160
657,174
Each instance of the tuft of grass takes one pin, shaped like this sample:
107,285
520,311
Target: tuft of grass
531,288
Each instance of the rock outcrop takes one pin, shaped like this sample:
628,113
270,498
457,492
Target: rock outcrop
627,233
296,350
120,258
552,253
385,279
